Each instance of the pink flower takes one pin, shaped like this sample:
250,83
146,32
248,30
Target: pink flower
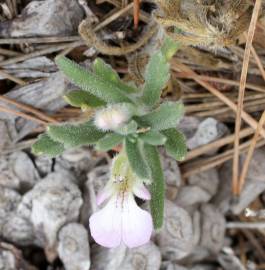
121,220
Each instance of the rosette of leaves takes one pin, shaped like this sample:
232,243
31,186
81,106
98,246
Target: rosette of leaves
149,123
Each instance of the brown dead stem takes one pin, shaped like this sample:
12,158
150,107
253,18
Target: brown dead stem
176,65
241,94
250,154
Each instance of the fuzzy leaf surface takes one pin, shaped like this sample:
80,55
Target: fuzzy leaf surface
153,138
165,117
169,48
156,76
95,85
109,142
75,135
83,99
107,73
158,185
45,145
127,129
136,159
176,144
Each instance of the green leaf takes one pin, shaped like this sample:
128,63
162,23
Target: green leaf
137,160
165,117
158,185
83,99
45,145
175,144
109,142
95,85
153,138
127,129
107,73
156,76
169,48
75,135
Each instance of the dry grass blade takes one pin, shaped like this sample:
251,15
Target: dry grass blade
242,88
28,108
204,164
225,81
176,65
23,115
10,77
216,144
49,50
136,13
250,154
258,61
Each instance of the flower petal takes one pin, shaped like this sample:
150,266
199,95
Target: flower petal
103,195
105,225
141,191
137,224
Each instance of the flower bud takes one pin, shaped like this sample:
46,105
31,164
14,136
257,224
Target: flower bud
112,117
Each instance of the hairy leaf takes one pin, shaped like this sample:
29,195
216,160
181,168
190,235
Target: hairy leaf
107,73
153,138
137,160
156,76
109,142
165,117
83,99
75,135
127,129
158,185
45,145
169,48
95,85
175,144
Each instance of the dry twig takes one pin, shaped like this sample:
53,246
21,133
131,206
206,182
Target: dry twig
242,88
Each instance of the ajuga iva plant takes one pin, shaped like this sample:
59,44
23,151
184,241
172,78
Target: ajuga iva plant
138,121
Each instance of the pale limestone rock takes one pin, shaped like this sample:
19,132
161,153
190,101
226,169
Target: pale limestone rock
254,184
73,248
17,171
4,135
208,180
97,179
45,94
188,125
52,203
9,200
176,237
11,258
229,261
19,230
37,67
44,18
173,266
192,195
208,131
213,228
146,257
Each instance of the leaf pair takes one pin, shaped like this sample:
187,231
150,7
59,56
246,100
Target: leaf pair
103,85
61,137
165,117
